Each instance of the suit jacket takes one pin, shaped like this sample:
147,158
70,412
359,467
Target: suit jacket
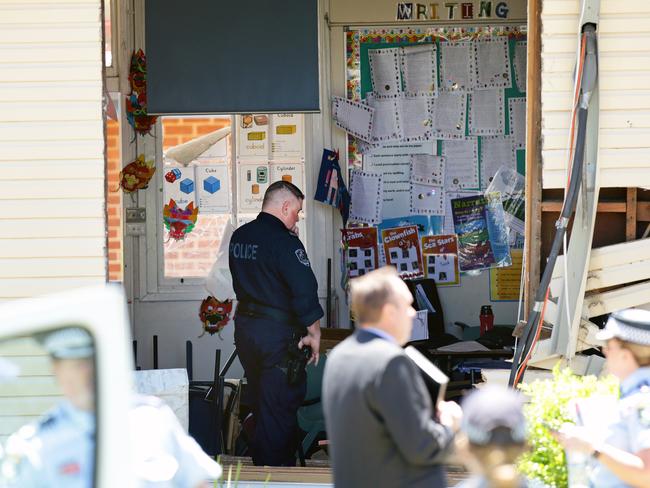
379,417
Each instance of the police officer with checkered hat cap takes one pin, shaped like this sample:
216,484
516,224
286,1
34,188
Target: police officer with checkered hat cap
623,459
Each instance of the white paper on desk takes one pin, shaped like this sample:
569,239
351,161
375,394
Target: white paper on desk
496,151
448,225
456,65
386,122
384,71
520,60
420,330
491,63
461,164
486,112
353,117
420,69
395,171
416,118
449,111
517,118
366,192
427,169
427,200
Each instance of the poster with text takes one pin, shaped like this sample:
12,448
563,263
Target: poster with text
253,136
360,250
291,172
471,226
213,188
440,255
505,282
253,180
402,250
287,136
179,185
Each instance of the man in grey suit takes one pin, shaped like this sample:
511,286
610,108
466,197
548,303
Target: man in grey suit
378,413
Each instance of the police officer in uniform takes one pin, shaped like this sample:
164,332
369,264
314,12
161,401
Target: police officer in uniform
277,309
623,459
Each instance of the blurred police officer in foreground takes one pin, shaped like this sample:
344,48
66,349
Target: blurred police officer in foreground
623,459
277,313
58,451
493,436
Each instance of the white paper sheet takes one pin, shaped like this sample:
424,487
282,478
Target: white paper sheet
428,170
420,69
517,118
366,192
395,171
520,64
386,121
449,111
384,71
491,63
213,188
353,117
461,164
252,183
448,226
287,136
456,62
416,118
293,172
486,112
403,149
427,200
496,151
420,330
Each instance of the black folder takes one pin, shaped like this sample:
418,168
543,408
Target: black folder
434,379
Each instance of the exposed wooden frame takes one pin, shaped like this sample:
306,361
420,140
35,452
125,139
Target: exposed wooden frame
533,209
630,215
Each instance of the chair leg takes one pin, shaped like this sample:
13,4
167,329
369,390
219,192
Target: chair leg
301,454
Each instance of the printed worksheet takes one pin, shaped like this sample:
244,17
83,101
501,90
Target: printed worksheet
366,192
353,117
456,63
420,69
517,119
486,112
287,136
386,122
520,64
213,188
461,164
416,118
427,169
252,183
293,172
449,111
395,171
491,63
496,151
427,200
385,72
253,136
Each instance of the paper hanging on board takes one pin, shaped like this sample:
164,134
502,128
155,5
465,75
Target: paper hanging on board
456,65
387,125
520,61
402,250
420,69
517,119
253,136
461,164
289,172
427,200
384,71
496,151
448,225
252,184
449,111
486,112
287,136
427,169
508,183
396,186
179,185
491,63
353,117
366,189
213,188
440,255
416,113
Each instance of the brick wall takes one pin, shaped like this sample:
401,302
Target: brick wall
114,202
179,130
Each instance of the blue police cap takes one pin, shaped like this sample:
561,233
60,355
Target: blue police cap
69,343
630,325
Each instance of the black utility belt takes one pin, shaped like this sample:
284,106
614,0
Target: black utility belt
255,310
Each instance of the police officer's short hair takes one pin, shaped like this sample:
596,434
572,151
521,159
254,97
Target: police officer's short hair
281,185
370,292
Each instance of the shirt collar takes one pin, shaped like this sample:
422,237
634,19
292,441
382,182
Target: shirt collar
381,334
637,379
82,419
271,219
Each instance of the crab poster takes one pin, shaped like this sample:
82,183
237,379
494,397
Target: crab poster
402,250
360,250
440,254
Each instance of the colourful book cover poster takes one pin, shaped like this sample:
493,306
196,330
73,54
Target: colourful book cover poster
440,255
471,226
360,250
402,250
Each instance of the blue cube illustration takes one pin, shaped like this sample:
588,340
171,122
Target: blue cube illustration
211,184
187,186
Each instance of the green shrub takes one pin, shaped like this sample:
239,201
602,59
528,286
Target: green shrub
548,405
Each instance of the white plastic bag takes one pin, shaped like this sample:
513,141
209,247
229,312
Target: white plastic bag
218,283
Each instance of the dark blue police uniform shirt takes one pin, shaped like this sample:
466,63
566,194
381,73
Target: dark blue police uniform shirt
269,267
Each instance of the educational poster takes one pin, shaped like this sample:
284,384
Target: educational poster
287,136
402,250
179,185
213,188
253,136
253,181
440,254
361,250
426,225
471,226
505,282
291,172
